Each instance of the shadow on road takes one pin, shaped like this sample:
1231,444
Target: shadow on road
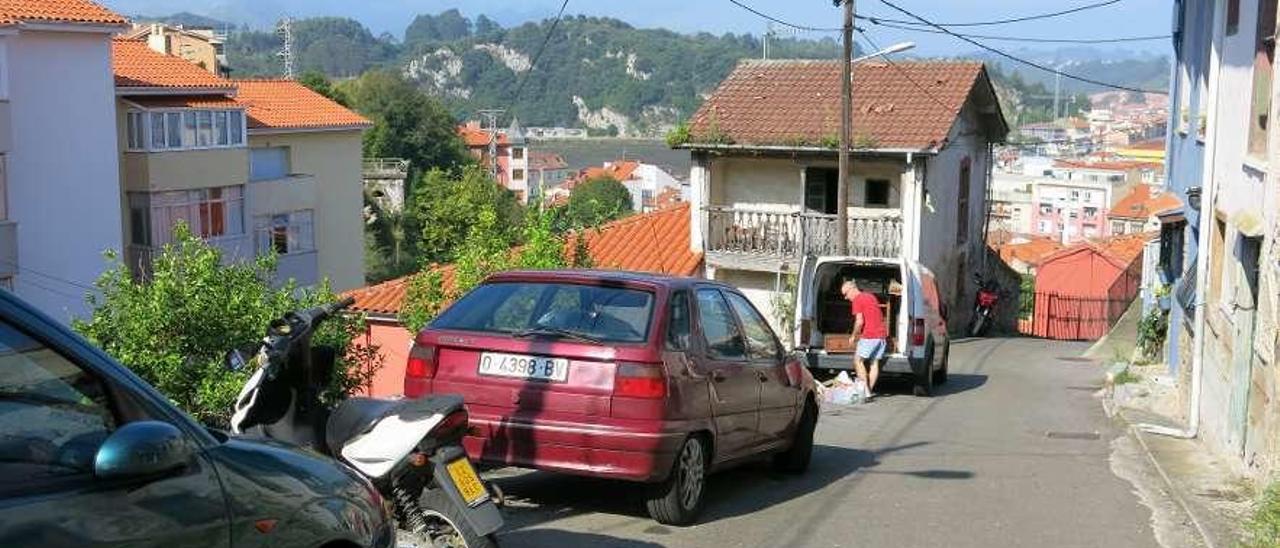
556,537
900,386
544,497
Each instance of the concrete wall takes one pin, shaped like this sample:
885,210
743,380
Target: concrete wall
334,160
185,169
772,184
64,159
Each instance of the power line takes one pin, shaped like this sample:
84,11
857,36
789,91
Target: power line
886,24
1011,57
48,276
785,23
1076,9
905,74
546,40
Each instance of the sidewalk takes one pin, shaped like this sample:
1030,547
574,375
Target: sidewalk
1216,500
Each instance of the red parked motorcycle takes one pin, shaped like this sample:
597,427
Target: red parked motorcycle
984,312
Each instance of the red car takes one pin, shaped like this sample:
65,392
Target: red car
619,375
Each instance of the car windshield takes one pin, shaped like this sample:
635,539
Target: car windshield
576,311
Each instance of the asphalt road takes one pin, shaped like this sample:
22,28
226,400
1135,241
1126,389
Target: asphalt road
1013,452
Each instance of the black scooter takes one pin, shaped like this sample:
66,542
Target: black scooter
410,450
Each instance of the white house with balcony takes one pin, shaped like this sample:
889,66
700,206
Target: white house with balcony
764,181
59,165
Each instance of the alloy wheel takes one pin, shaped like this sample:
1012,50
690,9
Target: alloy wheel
692,470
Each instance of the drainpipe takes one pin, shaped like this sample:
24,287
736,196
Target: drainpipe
1206,218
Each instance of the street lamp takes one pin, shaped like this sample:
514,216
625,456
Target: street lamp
896,48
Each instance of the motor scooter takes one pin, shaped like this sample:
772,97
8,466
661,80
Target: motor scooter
410,450
984,310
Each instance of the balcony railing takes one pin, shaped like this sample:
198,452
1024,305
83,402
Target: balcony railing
792,235
386,168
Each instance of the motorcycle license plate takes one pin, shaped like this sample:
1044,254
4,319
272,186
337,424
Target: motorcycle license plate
467,481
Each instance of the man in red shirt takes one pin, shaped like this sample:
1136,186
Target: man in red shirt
869,333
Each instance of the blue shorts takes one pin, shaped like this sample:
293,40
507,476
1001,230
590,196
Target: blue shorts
871,349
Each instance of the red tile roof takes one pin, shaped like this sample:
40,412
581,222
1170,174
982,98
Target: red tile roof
1031,252
669,197
137,66
652,242
286,104
1140,204
475,136
57,11
1112,165
539,159
1123,250
620,171
185,101
797,103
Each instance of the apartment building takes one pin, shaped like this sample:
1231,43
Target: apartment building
57,151
1070,210
203,47
253,167
505,152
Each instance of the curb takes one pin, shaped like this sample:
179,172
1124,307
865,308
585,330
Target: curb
1112,410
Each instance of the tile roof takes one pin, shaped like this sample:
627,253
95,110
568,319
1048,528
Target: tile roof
57,11
669,197
185,101
797,103
475,136
137,66
652,242
1141,204
539,159
286,104
1123,250
1109,165
1031,252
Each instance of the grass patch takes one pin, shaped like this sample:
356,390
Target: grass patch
1127,377
1263,529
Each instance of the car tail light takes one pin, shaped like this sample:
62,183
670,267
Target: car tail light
419,370
638,380
917,332
453,425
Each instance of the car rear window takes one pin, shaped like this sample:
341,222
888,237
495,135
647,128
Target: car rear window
608,314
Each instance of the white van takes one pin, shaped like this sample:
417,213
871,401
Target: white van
907,291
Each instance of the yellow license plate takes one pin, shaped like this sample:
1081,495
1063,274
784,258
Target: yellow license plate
467,481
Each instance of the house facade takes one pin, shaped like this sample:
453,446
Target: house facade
253,167
57,151
1219,251
202,47
1139,210
764,182
504,152
1070,209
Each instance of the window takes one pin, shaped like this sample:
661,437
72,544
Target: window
210,212
1263,62
136,130
517,174
1118,228
761,344
517,153
678,326
186,129
173,125
610,314
53,415
962,204
719,330
821,185
286,233
877,193
235,125
1233,17
157,133
266,164
1046,227
220,133
1172,245
1090,212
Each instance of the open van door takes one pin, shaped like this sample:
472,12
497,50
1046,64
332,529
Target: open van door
806,302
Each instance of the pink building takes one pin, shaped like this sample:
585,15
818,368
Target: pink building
1070,210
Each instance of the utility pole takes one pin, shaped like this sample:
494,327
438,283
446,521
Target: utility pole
491,115
285,29
846,130
1057,91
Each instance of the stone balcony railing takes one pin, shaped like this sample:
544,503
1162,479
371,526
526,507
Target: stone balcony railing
789,236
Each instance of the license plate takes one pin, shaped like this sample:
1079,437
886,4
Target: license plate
467,481
524,367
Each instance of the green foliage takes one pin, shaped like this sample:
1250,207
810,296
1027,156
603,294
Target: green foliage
445,207
1152,329
408,123
482,253
678,135
319,83
784,303
597,201
448,26
174,329
335,46
864,142
830,141
1127,377
1263,528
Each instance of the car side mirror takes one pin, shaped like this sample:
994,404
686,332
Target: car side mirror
142,449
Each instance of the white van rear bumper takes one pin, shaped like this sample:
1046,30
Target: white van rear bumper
893,363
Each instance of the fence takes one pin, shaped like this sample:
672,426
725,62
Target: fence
794,234
1069,318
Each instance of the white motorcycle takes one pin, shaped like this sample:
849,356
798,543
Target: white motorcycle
410,450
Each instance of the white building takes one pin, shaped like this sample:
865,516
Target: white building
59,160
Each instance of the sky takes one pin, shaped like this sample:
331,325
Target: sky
1121,19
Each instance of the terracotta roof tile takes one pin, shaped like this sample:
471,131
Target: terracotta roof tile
1032,252
539,159
652,242
57,11
137,66
185,101
475,136
286,104
797,103
1140,204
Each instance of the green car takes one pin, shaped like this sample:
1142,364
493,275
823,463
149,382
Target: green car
91,455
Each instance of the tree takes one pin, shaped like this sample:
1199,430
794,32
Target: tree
408,123
597,201
174,329
449,25
486,27
446,207
319,83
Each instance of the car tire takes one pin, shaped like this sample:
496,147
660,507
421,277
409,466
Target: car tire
678,500
795,460
924,380
940,377
436,505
